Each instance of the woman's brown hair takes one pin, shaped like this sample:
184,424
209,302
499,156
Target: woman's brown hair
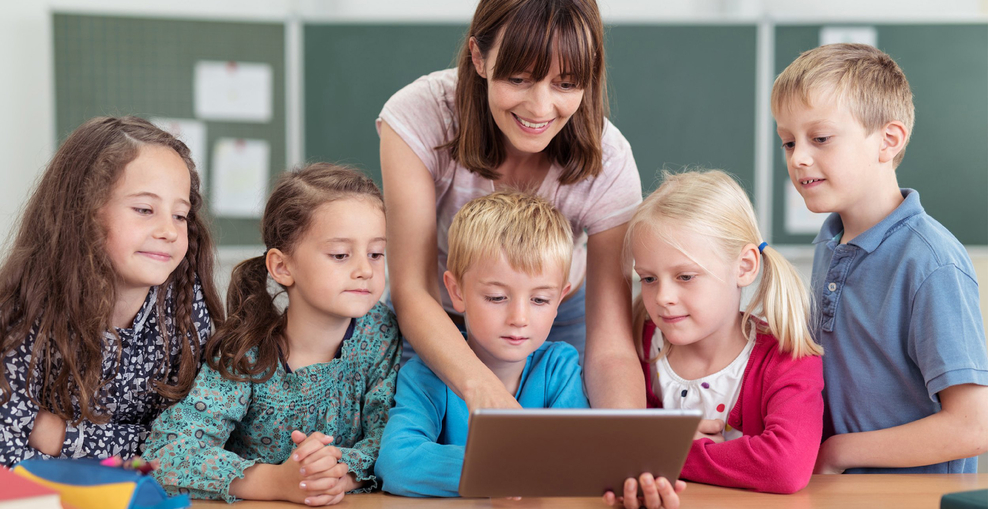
254,320
531,34
58,280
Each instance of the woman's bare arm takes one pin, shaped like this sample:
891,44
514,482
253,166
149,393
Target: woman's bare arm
614,377
410,198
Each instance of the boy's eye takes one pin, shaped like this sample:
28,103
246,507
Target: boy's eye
686,277
142,211
788,145
821,139
647,280
339,256
495,298
376,256
540,300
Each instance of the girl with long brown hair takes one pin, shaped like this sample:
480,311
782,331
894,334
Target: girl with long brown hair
280,387
526,108
106,295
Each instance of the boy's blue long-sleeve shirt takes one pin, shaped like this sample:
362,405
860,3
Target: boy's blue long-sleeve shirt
424,440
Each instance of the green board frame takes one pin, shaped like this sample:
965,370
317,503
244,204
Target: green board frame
117,66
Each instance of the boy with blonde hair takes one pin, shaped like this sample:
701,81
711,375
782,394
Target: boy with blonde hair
509,257
896,296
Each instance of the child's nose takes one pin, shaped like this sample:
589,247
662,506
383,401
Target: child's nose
167,229
519,314
800,156
363,269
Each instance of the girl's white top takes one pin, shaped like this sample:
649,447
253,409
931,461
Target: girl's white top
715,394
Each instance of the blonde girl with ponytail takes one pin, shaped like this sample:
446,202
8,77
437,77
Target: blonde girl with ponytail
755,372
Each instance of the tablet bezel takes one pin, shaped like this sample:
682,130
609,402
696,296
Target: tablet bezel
571,452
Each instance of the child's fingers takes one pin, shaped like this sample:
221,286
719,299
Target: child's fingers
313,443
650,490
321,485
328,466
680,486
609,499
323,499
710,426
669,499
631,493
327,451
298,437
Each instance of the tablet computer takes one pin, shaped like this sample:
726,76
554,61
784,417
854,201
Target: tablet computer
571,453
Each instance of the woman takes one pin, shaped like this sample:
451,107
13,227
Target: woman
525,109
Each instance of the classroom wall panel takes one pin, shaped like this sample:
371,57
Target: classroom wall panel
684,96
352,70
947,157
138,66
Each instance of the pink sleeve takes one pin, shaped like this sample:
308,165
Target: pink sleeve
618,189
419,114
781,458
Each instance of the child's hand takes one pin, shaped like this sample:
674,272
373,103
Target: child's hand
710,428
657,493
324,477
48,433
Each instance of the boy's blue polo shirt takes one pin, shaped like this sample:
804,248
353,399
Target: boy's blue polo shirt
896,310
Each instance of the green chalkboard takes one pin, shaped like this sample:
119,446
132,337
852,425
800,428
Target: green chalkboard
947,157
352,70
136,66
682,95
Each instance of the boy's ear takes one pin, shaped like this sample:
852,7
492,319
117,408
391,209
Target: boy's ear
748,265
277,264
455,292
565,292
477,58
894,136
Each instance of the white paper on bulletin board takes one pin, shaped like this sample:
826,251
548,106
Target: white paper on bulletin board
193,134
799,219
240,177
860,35
233,91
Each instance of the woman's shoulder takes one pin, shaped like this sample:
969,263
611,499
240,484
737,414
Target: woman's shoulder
431,94
615,148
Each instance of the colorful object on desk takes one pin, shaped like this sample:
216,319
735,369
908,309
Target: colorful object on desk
136,463
20,492
91,484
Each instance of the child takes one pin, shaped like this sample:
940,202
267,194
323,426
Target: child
112,246
696,245
278,388
509,255
896,292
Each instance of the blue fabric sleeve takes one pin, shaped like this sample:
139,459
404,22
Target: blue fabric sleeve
946,333
565,378
411,462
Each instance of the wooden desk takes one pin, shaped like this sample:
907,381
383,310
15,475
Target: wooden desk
824,491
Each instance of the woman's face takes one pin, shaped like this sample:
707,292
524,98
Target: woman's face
529,113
